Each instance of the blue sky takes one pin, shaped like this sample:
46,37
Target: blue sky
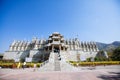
91,20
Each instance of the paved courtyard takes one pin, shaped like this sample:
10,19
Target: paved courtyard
84,73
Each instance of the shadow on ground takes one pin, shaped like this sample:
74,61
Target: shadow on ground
111,76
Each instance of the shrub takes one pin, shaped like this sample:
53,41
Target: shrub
14,65
7,61
94,63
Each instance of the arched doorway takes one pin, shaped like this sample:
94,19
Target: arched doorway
56,49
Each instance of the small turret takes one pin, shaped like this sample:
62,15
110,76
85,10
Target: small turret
11,48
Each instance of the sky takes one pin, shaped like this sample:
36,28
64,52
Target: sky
88,20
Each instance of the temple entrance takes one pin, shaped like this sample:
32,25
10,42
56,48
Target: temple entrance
56,49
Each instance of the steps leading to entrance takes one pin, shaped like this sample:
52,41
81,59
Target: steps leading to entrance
64,65
55,64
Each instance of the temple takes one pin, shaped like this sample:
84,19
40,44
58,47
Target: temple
40,49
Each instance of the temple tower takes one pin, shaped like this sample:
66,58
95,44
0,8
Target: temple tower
56,43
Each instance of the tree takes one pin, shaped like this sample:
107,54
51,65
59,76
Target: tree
109,55
116,54
100,56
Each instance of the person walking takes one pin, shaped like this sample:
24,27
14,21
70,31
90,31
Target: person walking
24,64
34,67
18,66
14,65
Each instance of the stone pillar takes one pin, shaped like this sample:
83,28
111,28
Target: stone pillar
60,47
48,48
11,48
22,48
15,48
73,46
36,46
27,47
52,47
18,48
63,48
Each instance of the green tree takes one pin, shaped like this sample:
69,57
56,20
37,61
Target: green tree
109,55
100,56
116,54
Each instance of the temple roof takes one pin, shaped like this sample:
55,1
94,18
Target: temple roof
56,33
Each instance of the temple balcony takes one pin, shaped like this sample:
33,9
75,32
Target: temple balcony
56,42
62,38
56,37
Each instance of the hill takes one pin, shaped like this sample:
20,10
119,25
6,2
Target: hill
108,47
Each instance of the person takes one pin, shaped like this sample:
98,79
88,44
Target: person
34,67
24,64
18,66
14,65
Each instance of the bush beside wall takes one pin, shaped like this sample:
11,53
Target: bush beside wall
94,63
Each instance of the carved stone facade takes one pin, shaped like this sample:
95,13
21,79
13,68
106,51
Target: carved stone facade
38,49
19,46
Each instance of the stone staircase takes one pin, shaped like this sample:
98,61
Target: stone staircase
64,65
57,62
50,65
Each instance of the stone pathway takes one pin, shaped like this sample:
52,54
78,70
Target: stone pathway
28,74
